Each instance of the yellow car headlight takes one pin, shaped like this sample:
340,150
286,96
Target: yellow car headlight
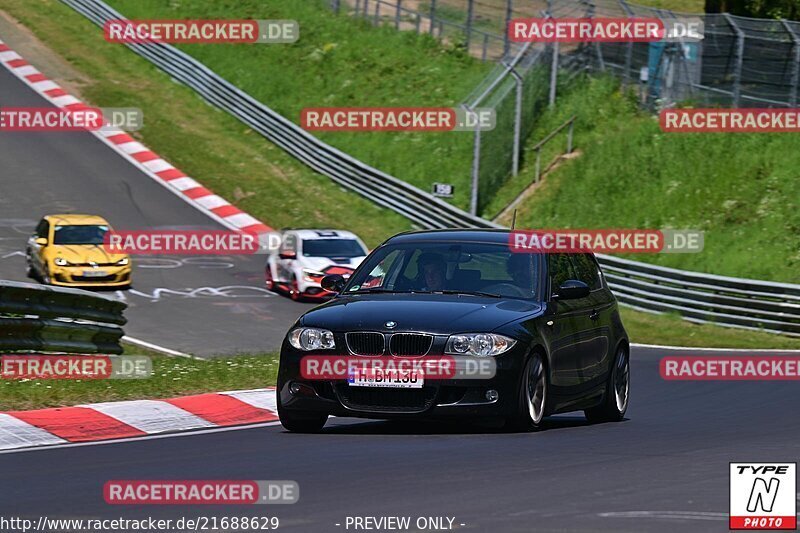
123,262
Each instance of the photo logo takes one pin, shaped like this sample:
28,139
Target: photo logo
78,117
730,368
200,492
605,30
605,241
190,242
85,367
763,496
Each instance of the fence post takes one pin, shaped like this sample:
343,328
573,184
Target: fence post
737,73
336,6
553,76
569,135
517,121
795,64
476,168
432,15
509,14
377,17
629,49
358,6
470,14
397,14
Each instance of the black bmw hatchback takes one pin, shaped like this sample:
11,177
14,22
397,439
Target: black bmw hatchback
523,335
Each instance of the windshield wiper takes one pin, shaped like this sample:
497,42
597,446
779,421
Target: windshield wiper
469,293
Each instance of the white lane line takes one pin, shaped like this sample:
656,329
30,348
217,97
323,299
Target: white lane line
15,433
665,347
157,348
146,437
151,416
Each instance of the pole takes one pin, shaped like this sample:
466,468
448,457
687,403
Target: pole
476,167
470,14
509,14
795,64
737,73
554,76
432,15
517,121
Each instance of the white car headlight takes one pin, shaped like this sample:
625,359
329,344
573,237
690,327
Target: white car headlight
308,339
312,275
60,261
478,344
123,262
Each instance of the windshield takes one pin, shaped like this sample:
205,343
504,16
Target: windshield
84,234
333,248
465,267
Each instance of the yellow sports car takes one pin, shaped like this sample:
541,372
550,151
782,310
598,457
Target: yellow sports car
68,250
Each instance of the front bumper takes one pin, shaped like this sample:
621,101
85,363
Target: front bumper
73,276
441,398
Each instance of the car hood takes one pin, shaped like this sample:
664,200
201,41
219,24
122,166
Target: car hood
84,253
431,313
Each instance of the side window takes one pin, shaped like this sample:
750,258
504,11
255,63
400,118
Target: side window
43,228
560,267
586,270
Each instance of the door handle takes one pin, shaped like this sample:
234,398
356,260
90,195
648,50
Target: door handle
595,315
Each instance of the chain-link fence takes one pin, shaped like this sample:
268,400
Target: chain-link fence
741,62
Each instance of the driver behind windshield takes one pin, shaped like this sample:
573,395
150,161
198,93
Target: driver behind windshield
432,269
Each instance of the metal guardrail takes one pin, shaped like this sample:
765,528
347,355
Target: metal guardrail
773,307
35,318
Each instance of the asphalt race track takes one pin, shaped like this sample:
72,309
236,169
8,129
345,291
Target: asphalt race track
663,469
201,305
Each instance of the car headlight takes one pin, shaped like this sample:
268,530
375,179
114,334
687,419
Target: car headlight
478,344
123,261
60,261
308,339
312,275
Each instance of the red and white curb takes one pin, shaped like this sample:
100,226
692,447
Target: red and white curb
135,152
135,418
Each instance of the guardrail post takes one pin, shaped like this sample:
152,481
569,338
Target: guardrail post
553,76
432,15
737,73
470,14
397,14
795,64
476,169
509,14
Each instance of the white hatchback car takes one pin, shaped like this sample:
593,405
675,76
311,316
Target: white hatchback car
305,256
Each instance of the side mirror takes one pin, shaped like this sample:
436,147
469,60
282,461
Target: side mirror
41,241
572,289
333,282
288,255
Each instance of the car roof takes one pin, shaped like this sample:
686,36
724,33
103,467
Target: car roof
77,220
491,236
313,234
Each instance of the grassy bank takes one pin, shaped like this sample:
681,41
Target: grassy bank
344,61
741,189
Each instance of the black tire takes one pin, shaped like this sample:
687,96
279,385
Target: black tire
617,393
299,422
532,412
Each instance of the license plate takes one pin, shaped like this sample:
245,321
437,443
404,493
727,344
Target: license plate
94,273
396,379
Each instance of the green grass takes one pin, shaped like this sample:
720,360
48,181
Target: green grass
172,376
344,61
741,189
208,144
